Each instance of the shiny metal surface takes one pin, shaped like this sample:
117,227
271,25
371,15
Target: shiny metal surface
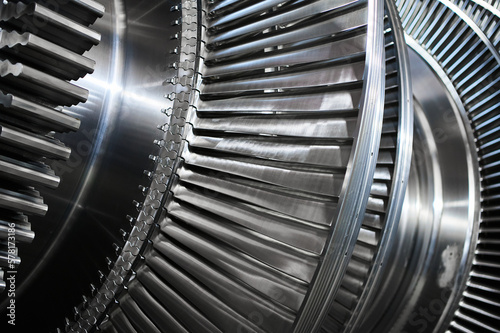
469,63
437,226
33,91
118,126
394,206
272,199
240,176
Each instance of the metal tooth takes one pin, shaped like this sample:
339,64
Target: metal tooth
93,289
101,276
131,220
153,158
174,36
6,259
109,262
28,173
77,38
117,248
22,235
159,143
137,205
38,114
163,127
174,51
176,22
124,233
84,12
21,202
175,8
44,55
30,83
185,65
148,174
33,143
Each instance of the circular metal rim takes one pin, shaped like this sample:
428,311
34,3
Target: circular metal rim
473,181
473,312
401,174
358,181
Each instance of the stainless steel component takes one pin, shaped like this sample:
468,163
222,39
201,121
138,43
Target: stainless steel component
27,203
281,196
33,143
41,115
229,172
49,25
28,173
471,305
118,124
35,69
19,79
378,232
85,12
51,58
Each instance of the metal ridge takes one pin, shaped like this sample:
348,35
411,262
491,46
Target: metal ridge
93,312
400,177
358,182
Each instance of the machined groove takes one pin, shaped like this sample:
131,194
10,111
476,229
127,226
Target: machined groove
40,53
54,27
242,160
85,12
276,194
51,58
471,61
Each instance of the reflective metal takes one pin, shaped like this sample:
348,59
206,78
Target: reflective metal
273,199
109,155
440,210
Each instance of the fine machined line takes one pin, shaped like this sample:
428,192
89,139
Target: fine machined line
19,78
44,55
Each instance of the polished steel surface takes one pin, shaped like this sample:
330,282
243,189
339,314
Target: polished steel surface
245,166
467,64
118,126
360,305
33,91
436,228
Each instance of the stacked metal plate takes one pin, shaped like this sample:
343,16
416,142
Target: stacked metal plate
40,57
